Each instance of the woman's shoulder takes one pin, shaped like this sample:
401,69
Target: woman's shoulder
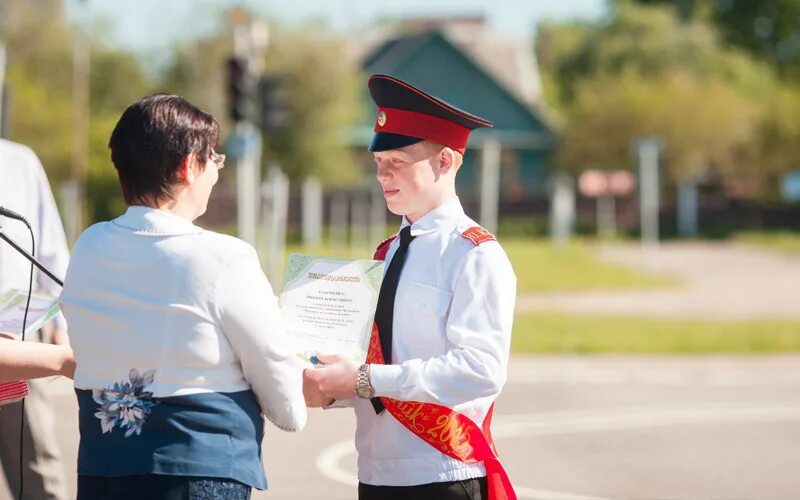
225,245
91,234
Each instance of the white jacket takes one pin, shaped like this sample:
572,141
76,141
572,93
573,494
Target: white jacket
151,291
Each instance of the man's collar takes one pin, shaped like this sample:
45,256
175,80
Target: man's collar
445,213
147,220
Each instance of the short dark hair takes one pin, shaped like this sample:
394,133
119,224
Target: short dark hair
151,139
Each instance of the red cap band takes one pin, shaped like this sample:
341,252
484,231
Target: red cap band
427,127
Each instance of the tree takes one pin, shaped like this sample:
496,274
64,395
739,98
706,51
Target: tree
323,94
39,77
778,148
650,72
197,74
116,80
652,42
702,125
767,29
40,41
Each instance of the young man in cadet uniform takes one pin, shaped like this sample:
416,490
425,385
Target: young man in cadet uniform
438,356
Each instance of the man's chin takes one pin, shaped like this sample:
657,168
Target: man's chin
397,210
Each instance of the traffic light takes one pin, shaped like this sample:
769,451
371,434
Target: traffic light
239,89
274,103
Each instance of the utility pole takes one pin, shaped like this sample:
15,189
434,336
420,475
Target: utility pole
250,40
648,150
490,184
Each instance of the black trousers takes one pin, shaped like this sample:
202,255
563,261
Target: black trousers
160,487
469,489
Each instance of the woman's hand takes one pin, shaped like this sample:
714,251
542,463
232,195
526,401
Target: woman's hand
336,378
314,397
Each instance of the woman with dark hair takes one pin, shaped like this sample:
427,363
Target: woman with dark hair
176,331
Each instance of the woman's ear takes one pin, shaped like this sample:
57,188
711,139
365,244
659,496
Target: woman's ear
188,169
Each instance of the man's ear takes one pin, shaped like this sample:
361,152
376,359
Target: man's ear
446,160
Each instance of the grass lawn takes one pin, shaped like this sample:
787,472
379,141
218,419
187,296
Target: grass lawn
540,267
561,333
785,241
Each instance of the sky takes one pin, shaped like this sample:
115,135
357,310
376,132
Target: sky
151,26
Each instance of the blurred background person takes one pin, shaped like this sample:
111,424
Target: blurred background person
26,190
176,329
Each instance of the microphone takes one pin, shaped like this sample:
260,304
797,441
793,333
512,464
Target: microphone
13,215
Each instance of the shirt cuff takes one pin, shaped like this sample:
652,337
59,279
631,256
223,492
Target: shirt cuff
337,403
385,379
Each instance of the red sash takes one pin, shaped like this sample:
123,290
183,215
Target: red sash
449,432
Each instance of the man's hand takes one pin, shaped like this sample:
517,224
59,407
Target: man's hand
314,397
337,378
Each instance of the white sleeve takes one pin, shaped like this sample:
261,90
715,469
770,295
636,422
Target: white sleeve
251,320
479,328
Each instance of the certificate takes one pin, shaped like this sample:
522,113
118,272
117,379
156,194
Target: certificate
42,309
329,304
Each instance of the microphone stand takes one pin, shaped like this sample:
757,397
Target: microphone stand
30,258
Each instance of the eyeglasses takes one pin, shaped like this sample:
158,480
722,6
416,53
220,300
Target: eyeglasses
218,159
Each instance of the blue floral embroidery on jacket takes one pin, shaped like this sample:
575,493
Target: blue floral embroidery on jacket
125,404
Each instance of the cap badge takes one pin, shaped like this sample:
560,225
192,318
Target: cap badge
381,118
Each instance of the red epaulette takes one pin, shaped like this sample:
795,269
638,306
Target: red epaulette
478,235
383,248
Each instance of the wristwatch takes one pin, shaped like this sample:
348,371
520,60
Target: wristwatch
363,386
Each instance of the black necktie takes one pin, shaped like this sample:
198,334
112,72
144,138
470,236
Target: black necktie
384,312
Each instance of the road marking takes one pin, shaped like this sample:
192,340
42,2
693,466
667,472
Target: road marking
559,423
329,462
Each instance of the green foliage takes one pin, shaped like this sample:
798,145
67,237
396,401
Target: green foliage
324,102
779,131
560,333
541,267
104,197
702,124
767,28
664,71
116,80
652,42
39,77
322,87
197,73
37,115
40,47
781,241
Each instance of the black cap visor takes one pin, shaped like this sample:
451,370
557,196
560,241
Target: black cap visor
383,141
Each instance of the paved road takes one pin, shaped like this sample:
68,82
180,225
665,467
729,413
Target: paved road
720,282
572,427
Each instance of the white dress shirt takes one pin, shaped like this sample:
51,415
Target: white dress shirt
24,189
450,345
151,291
